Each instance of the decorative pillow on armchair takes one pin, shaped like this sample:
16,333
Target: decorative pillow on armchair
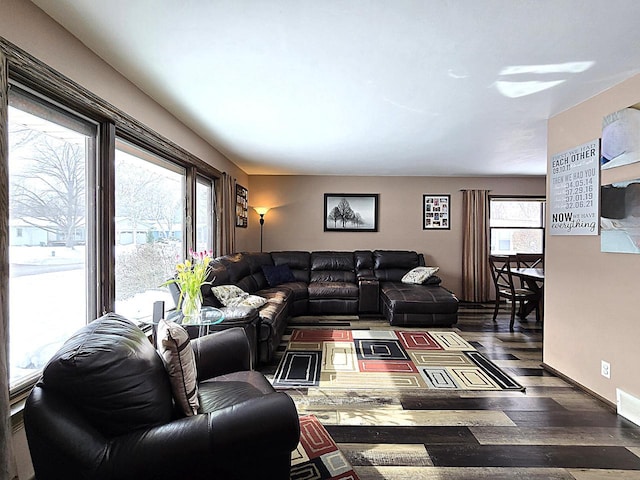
175,349
419,275
277,274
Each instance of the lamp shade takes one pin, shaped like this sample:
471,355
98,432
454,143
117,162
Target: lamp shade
261,210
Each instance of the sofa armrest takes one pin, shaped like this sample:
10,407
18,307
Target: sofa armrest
203,443
264,424
222,352
161,452
369,294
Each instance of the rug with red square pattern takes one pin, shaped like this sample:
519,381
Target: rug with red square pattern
317,456
387,359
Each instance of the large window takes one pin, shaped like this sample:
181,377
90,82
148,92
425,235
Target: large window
96,223
516,225
51,157
150,224
204,214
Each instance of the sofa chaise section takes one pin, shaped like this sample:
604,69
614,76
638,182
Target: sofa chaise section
410,305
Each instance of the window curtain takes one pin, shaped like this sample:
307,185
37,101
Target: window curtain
476,277
6,455
227,243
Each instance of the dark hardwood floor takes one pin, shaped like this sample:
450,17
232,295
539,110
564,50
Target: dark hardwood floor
551,431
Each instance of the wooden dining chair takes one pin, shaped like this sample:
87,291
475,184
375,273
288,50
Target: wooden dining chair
500,266
530,260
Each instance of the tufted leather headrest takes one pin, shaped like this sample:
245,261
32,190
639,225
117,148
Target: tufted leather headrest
397,259
332,261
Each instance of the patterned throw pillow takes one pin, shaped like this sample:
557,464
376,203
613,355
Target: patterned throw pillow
175,349
232,296
253,301
227,293
419,275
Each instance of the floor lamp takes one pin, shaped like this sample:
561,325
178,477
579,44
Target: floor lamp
261,211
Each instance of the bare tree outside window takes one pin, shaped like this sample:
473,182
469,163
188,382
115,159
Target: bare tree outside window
49,192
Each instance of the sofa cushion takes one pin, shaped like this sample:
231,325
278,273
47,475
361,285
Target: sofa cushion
113,375
408,298
333,290
278,274
175,349
228,390
419,275
332,276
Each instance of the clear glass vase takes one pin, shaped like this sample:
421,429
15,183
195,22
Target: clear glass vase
191,306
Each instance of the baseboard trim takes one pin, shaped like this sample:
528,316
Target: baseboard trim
607,403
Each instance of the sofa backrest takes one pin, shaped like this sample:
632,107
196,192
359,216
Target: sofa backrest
392,265
256,280
329,266
297,261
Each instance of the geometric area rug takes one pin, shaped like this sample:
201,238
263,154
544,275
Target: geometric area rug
317,457
387,359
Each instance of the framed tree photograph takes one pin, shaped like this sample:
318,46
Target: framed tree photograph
435,212
350,212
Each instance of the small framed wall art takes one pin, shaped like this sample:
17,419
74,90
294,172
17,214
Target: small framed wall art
435,212
242,214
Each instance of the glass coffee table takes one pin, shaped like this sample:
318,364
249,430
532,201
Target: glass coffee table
208,316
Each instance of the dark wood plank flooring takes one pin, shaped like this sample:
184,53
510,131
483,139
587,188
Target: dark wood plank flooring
551,431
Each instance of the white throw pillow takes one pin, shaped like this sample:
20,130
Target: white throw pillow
419,275
174,347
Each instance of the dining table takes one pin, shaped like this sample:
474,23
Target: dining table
533,278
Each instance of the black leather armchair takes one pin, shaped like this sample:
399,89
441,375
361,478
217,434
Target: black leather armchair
104,410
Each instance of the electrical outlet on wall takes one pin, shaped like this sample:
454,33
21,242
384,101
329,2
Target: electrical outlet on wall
605,369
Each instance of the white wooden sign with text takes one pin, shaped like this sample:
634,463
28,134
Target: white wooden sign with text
575,190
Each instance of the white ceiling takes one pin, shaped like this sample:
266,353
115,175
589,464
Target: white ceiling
366,87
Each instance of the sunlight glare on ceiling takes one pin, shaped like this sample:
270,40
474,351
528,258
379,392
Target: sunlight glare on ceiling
516,89
569,67
522,89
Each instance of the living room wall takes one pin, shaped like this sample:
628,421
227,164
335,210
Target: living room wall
591,311
295,221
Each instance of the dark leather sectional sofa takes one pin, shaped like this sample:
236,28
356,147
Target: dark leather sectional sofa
328,283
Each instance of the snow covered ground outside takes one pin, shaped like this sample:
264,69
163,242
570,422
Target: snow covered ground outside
47,297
